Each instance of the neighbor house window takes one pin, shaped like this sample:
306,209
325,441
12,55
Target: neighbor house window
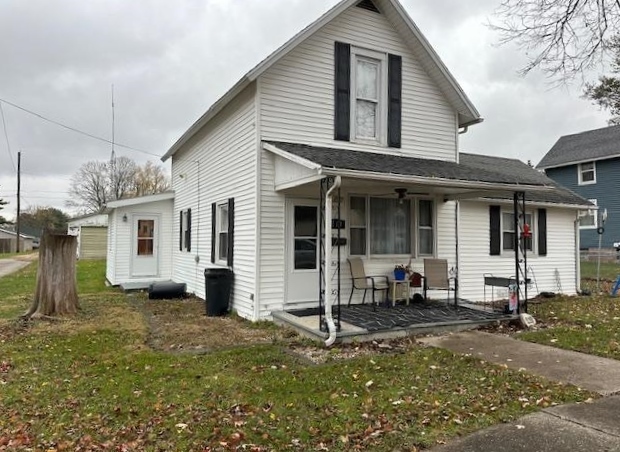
368,95
222,232
384,226
588,219
508,232
587,173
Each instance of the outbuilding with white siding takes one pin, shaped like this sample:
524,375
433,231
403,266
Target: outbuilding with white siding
140,240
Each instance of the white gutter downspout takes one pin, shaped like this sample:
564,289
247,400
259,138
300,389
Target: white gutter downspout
577,255
329,319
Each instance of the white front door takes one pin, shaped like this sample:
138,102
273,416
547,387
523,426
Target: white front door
145,244
302,244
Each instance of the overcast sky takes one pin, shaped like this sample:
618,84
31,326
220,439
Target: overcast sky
169,61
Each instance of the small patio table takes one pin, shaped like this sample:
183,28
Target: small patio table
399,290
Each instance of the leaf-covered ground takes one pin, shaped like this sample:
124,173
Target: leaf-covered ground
111,379
586,324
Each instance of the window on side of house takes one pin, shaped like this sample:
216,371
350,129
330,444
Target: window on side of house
368,96
186,230
588,219
222,232
508,232
385,226
587,173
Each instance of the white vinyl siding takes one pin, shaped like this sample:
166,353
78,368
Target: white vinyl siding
475,260
121,241
297,93
219,163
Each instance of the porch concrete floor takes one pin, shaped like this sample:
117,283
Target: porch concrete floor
360,322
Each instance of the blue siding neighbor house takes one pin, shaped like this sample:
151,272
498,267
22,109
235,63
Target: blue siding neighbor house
588,163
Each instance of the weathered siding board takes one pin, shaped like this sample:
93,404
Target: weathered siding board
607,193
216,164
475,260
297,94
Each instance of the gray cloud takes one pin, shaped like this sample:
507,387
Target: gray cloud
169,61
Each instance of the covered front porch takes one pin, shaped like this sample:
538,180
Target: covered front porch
384,210
361,323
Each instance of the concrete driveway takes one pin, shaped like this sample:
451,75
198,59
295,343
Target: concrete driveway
8,266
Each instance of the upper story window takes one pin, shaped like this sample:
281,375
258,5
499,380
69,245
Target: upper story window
587,173
588,219
369,86
368,96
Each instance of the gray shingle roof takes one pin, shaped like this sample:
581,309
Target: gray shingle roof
407,166
560,195
590,145
473,167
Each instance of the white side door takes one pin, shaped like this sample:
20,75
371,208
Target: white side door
302,242
145,246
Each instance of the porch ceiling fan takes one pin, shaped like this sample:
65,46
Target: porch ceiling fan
402,193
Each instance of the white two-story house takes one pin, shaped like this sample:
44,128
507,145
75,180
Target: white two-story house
355,119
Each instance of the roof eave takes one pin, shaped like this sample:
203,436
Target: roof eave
577,162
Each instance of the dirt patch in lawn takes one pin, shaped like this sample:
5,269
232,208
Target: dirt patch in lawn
180,326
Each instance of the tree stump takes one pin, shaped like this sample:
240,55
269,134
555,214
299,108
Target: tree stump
56,287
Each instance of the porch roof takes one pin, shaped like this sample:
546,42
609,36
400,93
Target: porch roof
477,175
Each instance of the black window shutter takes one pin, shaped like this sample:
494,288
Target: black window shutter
495,231
213,219
231,230
542,232
342,113
181,231
395,89
188,237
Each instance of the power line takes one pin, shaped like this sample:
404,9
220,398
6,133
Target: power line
73,129
6,135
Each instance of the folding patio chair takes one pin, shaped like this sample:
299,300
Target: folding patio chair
359,281
436,277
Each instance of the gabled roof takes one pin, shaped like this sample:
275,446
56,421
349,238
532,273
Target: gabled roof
23,236
397,15
582,147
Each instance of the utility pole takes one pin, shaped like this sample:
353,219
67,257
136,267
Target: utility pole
19,189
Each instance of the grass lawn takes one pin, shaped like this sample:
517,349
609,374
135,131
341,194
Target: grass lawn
586,324
140,375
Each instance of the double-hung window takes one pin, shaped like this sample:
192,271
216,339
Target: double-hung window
385,226
222,232
508,232
588,219
587,173
369,94
186,230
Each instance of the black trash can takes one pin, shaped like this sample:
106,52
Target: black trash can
218,284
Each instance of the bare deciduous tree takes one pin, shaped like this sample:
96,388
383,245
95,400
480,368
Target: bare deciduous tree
150,179
606,93
563,38
97,183
2,204
56,287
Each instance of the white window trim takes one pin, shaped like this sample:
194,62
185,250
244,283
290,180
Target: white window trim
381,139
592,212
580,173
534,249
218,230
414,226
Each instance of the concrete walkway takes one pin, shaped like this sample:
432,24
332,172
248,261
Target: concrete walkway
589,372
587,426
